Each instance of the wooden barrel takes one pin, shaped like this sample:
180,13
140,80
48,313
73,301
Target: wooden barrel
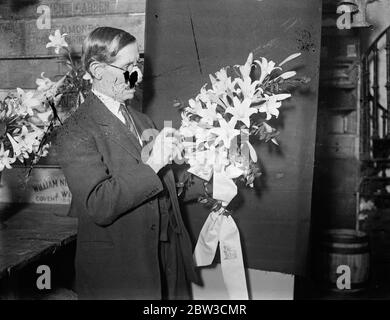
344,260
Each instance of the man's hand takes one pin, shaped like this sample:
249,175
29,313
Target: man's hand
166,147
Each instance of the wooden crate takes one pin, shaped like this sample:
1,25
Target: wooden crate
23,53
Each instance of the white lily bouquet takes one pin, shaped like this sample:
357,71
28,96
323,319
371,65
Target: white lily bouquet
215,133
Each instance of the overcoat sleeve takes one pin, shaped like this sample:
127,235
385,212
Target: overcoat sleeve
105,195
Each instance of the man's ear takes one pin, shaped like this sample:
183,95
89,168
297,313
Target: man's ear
96,70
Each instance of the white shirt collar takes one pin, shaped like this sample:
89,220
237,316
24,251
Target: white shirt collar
109,102
113,106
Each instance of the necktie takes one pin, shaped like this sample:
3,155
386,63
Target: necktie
129,121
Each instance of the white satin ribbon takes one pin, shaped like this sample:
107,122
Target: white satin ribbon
224,188
222,229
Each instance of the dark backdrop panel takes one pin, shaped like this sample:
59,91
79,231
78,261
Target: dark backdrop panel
187,40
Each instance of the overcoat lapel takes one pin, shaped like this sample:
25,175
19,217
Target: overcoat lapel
112,127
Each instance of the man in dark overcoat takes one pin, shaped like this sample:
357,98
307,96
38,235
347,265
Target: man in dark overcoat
131,242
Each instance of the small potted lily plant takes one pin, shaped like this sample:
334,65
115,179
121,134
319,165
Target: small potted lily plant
76,82
28,117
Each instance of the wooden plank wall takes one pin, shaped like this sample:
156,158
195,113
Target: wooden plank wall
24,56
24,34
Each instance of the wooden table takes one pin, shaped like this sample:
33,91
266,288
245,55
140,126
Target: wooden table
32,231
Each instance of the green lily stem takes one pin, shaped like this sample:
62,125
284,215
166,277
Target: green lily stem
71,60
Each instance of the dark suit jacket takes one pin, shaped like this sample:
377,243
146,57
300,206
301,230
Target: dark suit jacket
123,208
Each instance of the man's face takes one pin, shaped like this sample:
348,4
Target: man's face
113,79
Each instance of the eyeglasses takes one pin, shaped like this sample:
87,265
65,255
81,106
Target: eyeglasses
129,78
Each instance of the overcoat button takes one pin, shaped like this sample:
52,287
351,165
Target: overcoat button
153,227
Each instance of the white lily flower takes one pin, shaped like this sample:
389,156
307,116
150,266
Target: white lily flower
225,81
195,106
44,150
28,101
27,139
204,95
272,104
19,151
57,41
218,94
219,88
188,127
44,83
241,111
270,107
247,87
5,160
52,91
201,135
12,105
225,132
266,68
247,67
221,75
185,120
209,114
